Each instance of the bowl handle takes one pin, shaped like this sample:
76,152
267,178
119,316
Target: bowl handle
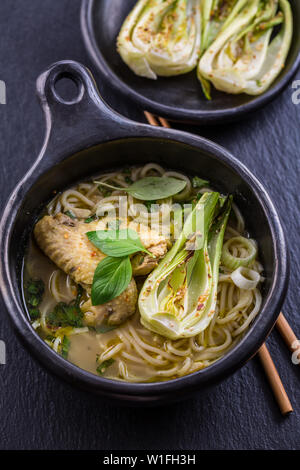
80,122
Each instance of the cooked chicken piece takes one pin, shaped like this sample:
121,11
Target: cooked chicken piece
51,231
64,241
114,312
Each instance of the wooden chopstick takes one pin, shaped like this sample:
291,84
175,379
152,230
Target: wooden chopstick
283,326
156,121
287,334
274,380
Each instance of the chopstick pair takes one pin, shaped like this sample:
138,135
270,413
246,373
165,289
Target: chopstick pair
284,328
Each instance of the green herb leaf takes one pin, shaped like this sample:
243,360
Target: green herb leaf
65,346
34,291
199,182
148,204
79,295
152,187
34,313
34,300
90,219
104,365
70,214
117,243
111,278
35,287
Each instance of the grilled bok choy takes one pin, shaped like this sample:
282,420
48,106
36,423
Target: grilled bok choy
161,37
250,49
179,297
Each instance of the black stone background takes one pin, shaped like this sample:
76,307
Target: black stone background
37,410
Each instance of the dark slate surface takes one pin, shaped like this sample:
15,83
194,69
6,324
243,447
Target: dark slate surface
38,411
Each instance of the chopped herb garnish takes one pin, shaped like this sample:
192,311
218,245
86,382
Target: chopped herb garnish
105,192
90,219
34,313
35,287
65,346
34,300
199,182
70,214
66,315
148,204
104,365
34,291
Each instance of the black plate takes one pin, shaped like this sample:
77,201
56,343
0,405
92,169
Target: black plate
84,137
177,98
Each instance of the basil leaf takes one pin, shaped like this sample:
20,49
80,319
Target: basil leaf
155,187
104,365
151,188
199,182
111,278
117,243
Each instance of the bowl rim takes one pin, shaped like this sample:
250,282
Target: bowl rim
233,360
209,117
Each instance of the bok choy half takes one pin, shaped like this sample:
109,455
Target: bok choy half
161,37
179,297
239,46
250,48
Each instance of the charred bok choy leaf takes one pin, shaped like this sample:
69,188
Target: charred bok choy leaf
178,298
250,49
161,37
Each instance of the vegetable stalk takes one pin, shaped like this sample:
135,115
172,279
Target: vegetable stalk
249,53
161,37
178,298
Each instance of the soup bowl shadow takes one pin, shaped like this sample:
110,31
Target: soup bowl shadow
85,137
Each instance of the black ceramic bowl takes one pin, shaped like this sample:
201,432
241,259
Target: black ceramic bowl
176,98
85,137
